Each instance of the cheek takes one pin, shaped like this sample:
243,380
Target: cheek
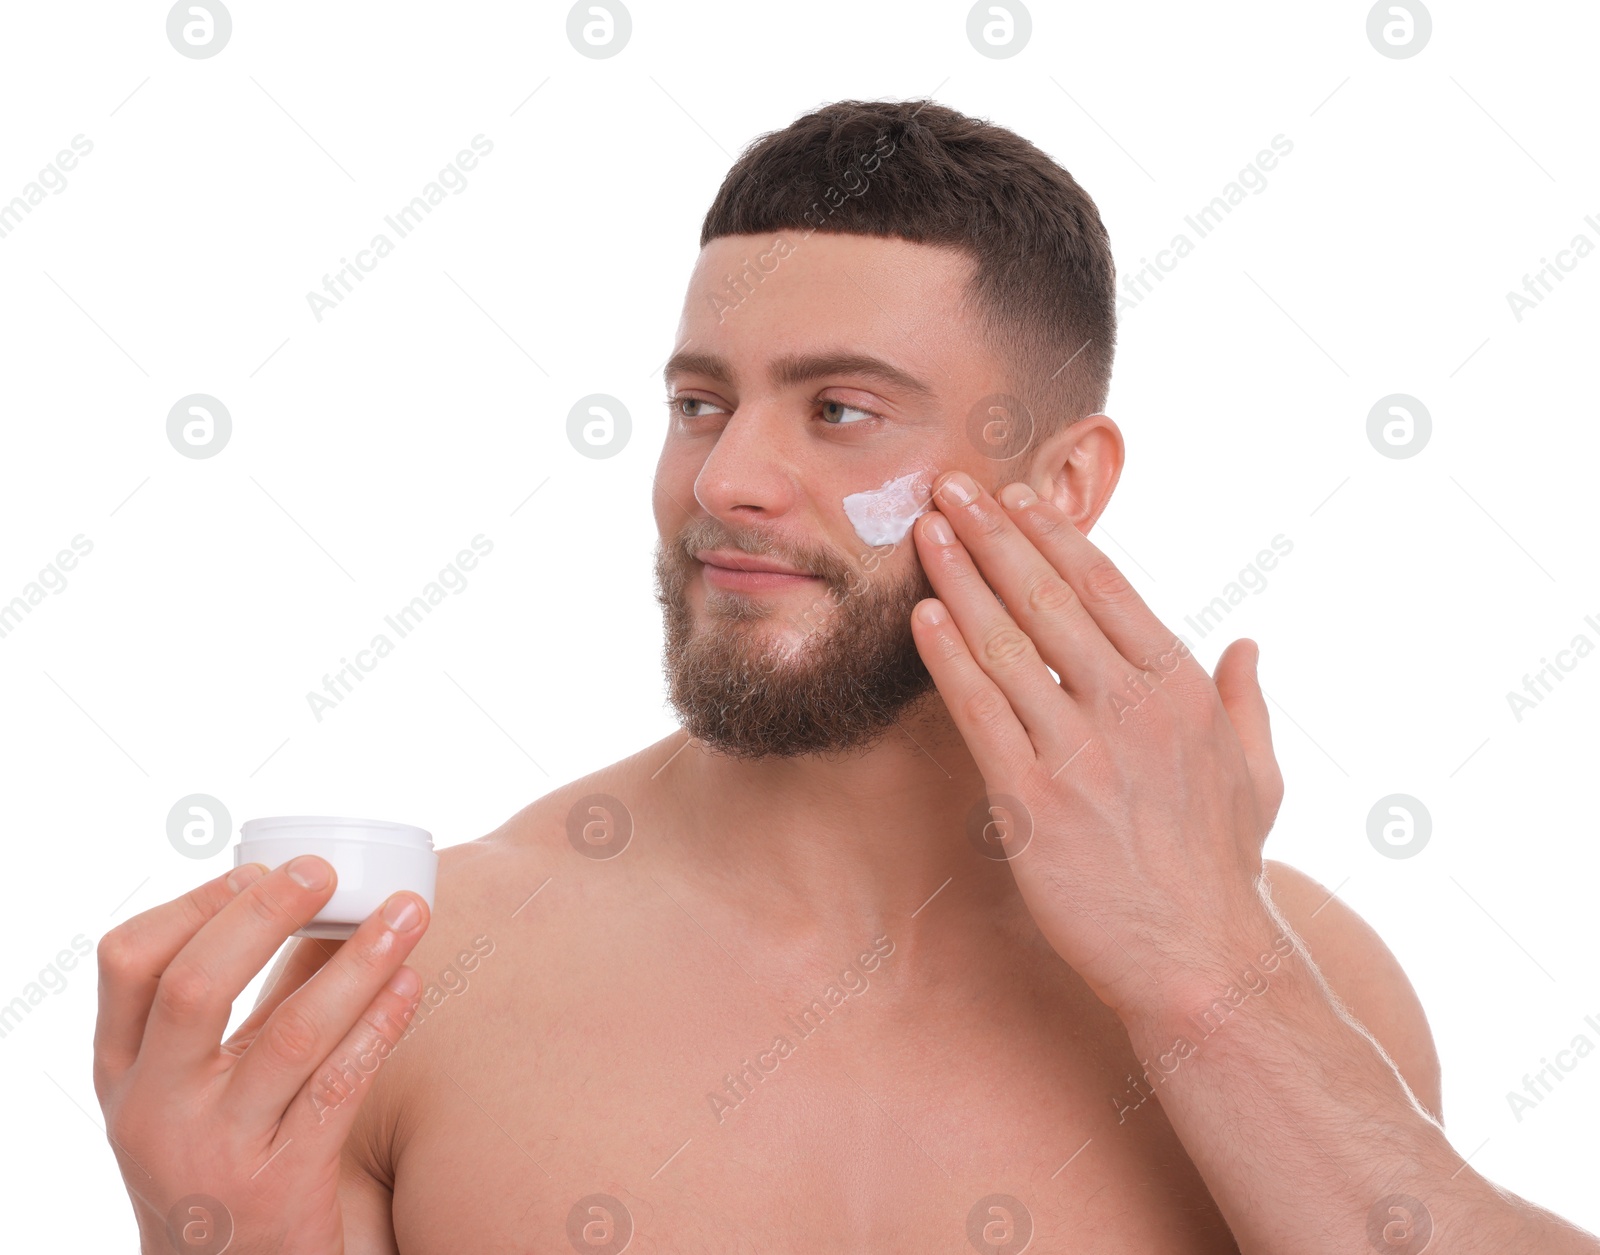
883,515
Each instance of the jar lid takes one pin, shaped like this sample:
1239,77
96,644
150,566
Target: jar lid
334,828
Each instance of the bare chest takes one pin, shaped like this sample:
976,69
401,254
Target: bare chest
664,1106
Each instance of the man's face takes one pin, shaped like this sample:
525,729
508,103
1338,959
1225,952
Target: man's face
756,463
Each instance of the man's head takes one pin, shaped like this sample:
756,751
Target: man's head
882,288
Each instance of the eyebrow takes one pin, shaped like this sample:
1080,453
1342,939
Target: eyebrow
798,368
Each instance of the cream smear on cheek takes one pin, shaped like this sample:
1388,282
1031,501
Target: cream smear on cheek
883,515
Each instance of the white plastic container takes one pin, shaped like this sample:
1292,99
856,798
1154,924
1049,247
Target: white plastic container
372,858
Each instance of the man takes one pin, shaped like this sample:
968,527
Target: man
927,929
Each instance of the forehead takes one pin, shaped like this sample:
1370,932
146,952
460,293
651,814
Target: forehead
786,291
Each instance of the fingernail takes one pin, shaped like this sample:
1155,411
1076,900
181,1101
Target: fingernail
241,878
938,528
404,982
308,871
959,489
1017,496
400,912
931,612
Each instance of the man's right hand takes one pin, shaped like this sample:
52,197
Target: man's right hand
245,1133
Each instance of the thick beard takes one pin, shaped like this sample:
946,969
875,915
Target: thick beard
752,692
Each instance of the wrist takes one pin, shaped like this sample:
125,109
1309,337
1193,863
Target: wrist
1214,980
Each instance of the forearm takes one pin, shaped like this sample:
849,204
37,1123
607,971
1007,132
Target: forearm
1302,1128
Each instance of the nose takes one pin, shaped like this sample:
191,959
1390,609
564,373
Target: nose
748,473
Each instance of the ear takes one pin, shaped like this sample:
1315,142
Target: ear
1077,468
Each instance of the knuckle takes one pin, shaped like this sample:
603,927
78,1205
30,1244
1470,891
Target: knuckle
263,910
1006,647
1103,581
1050,596
118,951
984,707
988,523
291,1038
183,991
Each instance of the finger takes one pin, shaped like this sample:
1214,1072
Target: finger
301,960
196,993
132,956
1124,618
299,1036
1240,689
995,641
325,1107
1037,597
998,743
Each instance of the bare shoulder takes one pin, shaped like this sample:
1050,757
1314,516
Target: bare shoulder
498,900
1365,975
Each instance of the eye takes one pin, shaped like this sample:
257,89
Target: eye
840,405
676,404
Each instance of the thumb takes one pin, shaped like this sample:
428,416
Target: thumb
1240,690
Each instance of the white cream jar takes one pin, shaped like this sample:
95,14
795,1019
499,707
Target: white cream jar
371,857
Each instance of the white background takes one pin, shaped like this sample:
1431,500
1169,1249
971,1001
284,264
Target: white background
369,447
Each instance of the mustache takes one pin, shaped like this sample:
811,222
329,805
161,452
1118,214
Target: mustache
712,534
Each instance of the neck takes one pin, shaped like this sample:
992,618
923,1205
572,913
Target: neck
854,842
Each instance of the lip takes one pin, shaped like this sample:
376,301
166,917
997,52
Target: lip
744,572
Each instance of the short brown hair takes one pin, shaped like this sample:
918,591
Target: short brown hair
1044,284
